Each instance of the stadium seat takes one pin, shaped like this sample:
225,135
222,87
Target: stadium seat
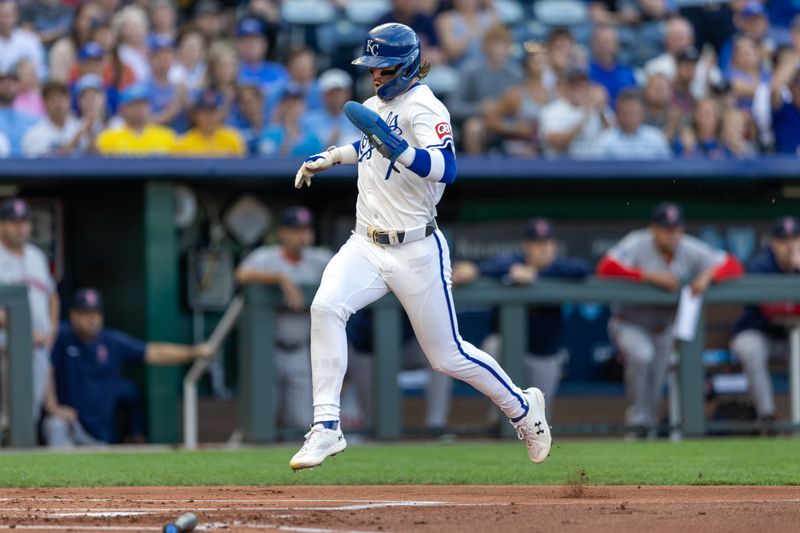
305,19
561,12
509,12
308,12
442,80
366,11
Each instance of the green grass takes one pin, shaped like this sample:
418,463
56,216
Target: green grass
713,462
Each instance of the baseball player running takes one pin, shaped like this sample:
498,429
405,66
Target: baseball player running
405,158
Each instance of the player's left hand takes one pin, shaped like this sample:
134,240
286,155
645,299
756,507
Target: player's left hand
701,283
316,163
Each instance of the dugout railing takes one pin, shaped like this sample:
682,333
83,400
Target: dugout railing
256,330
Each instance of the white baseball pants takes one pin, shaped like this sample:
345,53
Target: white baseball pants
418,273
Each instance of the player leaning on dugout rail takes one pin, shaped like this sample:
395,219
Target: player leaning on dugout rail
664,256
405,157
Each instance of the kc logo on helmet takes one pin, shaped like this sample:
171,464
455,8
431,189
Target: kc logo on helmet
443,130
372,47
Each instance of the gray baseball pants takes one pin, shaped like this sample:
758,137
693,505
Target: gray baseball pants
753,349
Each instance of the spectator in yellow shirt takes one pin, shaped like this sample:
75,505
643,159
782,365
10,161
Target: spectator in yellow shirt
138,136
209,138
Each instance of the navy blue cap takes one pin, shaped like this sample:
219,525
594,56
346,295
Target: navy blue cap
667,214
134,93
250,26
297,217
91,50
539,229
785,227
208,99
87,300
15,209
161,42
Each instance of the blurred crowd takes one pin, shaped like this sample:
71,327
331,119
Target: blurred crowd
623,79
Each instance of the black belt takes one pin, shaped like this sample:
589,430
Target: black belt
382,237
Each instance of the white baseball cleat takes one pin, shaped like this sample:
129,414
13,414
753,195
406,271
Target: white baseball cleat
533,429
320,443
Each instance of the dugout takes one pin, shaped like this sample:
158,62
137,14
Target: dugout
111,224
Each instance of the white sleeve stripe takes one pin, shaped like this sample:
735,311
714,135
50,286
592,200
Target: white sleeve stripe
437,166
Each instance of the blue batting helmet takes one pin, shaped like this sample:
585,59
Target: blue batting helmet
388,45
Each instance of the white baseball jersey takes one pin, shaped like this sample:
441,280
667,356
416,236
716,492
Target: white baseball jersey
404,200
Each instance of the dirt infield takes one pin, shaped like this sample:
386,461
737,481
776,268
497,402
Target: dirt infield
440,509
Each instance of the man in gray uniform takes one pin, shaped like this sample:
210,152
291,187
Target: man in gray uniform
664,256
22,262
288,264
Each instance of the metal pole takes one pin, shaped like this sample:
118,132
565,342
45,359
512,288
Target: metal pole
20,369
223,329
794,375
514,332
691,382
387,337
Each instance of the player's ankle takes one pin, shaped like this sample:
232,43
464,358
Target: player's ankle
327,424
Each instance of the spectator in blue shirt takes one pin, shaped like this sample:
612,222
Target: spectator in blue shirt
248,115
169,101
785,97
604,68
758,335
538,259
330,124
751,22
251,43
50,19
288,137
301,65
13,123
87,383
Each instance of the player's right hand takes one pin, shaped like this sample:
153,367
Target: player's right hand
316,163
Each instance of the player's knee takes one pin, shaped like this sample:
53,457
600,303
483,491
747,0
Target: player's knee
325,312
449,365
749,348
640,355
